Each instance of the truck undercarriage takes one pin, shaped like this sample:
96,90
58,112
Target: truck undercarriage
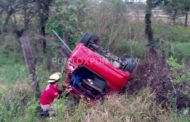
93,72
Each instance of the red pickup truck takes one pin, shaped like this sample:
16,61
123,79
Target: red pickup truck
93,72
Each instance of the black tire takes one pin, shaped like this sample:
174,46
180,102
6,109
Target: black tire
94,39
89,39
85,38
131,63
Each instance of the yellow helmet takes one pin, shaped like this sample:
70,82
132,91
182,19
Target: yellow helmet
54,77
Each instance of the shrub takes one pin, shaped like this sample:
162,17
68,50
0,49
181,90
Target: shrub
14,100
179,72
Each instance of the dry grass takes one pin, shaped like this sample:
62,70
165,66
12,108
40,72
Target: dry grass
115,108
121,108
140,107
124,108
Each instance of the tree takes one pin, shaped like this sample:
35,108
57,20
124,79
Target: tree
178,7
23,8
68,19
10,8
185,8
150,4
43,8
172,7
148,25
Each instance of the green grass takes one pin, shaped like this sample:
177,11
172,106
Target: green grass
132,48
13,73
182,50
116,108
14,81
12,69
171,33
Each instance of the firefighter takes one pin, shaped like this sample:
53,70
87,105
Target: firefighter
49,95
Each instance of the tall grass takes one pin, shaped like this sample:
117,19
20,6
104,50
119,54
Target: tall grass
116,108
10,74
14,100
120,36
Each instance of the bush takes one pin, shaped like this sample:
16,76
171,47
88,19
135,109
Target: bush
179,73
14,100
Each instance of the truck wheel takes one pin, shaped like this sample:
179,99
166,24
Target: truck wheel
130,66
130,63
89,39
94,39
85,38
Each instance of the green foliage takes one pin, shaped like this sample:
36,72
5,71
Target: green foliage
67,20
118,33
173,63
13,101
13,73
11,69
177,7
132,48
172,5
117,6
9,50
79,112
30,113
12,66
172,34
54,24
184,6
182,51
140,107
179,72
175,39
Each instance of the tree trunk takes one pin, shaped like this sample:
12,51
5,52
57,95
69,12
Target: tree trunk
174,16
148,25
6,22
148,29
42,38
26,16
30,61
186,19
43,9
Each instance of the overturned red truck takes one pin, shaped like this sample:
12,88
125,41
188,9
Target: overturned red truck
93,72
